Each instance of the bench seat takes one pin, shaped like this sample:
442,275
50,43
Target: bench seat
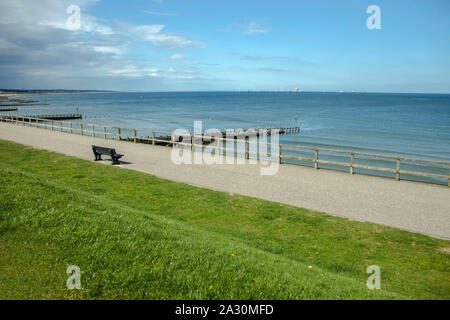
99,151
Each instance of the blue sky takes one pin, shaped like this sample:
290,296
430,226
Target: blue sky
226,45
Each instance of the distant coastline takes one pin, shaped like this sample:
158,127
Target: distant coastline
11,92
5,94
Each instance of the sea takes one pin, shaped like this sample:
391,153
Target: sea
407,125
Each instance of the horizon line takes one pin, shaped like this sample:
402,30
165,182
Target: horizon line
12,91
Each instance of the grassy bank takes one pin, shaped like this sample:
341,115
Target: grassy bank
137,236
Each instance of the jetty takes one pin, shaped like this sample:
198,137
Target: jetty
259,131
208,137
2,108
35,118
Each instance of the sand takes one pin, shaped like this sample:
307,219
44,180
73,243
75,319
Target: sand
414,206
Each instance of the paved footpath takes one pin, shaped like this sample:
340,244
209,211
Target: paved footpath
413,206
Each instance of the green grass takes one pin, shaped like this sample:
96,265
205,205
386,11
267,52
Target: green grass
136,236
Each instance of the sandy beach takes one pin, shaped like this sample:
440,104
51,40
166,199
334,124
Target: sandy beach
413,206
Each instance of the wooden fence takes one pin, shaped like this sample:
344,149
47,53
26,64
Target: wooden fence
163,137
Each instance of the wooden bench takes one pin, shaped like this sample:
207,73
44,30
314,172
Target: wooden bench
99,151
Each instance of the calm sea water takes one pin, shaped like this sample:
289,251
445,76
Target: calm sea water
411,125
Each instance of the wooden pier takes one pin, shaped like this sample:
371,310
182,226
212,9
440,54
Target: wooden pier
44,117
259,131
208,138
2,108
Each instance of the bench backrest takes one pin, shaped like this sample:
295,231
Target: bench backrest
103,150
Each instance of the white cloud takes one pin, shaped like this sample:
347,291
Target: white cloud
146,30
37,46
251,28
38,50
183,77
88,24
178,56
188,71
161,13
169,41
254,28
115,50
152,33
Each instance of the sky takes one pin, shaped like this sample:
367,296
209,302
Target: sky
201,45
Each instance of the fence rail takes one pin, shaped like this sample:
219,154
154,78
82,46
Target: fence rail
164,137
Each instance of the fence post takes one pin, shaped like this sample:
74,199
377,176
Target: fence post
60,125
81,129
104,131
93,130
397,175
153,138
352,161
316,159
247,154
135,136
119,133
192,142
71,131
51,123
279,153
224,145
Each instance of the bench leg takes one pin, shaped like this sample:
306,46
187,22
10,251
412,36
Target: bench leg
98,157
115,161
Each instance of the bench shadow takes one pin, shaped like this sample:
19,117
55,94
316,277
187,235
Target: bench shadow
125,162
110,162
